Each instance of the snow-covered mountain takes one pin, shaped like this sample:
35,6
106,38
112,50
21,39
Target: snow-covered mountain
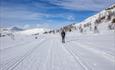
9,31
4,31
103,18
34,31
16,29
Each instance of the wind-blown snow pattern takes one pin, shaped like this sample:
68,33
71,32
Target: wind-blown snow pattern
81,51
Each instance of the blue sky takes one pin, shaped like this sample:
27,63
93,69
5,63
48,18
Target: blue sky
48,13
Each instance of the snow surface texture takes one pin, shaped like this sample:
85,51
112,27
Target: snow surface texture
81,51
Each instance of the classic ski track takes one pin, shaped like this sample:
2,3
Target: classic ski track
49,56
20,56
25,56
104,52
22,43
98,53
12,46
105,55
91,44
77,58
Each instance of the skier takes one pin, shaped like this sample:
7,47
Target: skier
63,36
96,29
81,29
36,37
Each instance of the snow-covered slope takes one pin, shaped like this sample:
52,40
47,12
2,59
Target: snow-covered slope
11,32
33,31
103,18
4,32
80,52
16,29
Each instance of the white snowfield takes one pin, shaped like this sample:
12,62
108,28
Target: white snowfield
34,31
87,51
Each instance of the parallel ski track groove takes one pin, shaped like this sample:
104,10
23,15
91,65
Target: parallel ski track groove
15,58
77,58
22,43
25,56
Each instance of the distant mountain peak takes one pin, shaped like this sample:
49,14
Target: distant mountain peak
16,29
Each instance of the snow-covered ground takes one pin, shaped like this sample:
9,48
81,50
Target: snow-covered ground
87,51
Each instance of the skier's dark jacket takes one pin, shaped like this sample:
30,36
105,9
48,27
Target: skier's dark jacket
63,34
